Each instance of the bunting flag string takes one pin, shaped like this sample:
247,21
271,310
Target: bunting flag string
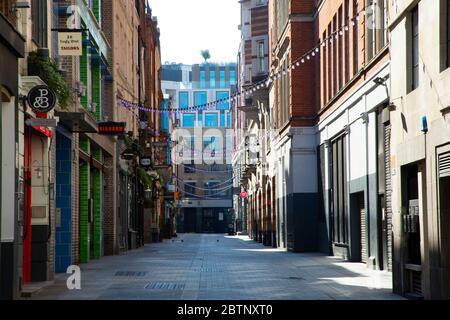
315,51
218,186
209,197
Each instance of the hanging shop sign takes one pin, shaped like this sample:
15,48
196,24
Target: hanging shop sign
128,154
41,99
146,162
48,123
111,128
70,43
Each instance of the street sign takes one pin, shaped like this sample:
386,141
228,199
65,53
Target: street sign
244,195
48,123
70,44
41,99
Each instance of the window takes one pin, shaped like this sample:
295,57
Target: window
184,100
199,98
224,96
211,120
261,57
283,12
212,188
415,48
232,77
222,78
330,70
212,79
189,154
355,40
334,66
190,188
202,79
211,150
324,69
222,120
447,33
5,9
347,43
39,16
340,51
189,120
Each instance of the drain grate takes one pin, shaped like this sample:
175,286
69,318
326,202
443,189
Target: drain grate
211,269
164,286
136,274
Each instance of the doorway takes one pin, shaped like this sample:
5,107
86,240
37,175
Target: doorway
444,205
358,220
208,221
412,197
190,220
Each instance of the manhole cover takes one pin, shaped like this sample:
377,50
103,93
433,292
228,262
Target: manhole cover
139,274
164,286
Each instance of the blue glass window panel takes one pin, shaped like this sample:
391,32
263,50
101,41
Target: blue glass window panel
202,79
229,120
211,120
222,119
188,120
200,98
212,79
232,77
184,100
224,105
165,122
222,79
210,142
200,118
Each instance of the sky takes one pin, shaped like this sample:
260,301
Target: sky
189,26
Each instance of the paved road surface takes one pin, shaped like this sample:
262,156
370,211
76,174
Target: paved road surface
216,267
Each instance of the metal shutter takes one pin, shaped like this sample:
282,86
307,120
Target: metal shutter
388,203
363,229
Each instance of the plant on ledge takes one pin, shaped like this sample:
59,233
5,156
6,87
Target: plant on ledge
48,71
145,178
132,144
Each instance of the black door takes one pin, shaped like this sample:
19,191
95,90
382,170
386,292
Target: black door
190,220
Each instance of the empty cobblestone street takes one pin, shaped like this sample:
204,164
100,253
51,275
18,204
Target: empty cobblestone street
216,267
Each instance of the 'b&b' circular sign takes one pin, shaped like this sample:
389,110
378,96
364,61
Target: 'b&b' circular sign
41,99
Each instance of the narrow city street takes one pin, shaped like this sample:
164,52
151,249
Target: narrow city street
216,267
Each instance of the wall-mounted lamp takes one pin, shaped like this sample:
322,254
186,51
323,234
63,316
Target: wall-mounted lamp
38,173
392,107
365,117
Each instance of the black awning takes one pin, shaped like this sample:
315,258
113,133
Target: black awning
77,122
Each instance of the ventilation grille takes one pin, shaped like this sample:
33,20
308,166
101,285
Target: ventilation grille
444,165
